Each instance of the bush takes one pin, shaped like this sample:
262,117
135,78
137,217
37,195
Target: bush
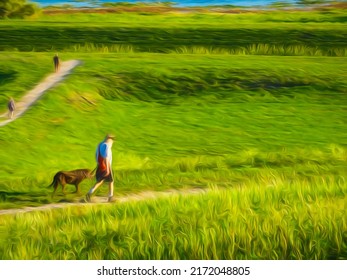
17,9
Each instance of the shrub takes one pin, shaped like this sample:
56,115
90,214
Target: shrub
17,9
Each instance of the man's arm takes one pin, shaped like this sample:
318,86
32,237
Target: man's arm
108,159
97,154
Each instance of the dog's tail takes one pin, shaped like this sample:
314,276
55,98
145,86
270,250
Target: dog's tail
53,182
49,186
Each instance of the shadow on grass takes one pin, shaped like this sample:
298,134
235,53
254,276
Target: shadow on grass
13,199
7,76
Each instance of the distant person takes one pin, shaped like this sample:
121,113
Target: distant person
104,167
56,61
11,107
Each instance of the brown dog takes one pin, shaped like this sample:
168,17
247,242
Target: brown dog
73,177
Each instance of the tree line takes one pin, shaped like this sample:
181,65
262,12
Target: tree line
22,8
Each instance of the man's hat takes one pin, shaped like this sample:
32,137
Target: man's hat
110,136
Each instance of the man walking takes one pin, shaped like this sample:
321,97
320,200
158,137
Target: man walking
104,167
56,62
11,107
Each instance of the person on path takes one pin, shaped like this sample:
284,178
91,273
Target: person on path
104,167
11,107
56,62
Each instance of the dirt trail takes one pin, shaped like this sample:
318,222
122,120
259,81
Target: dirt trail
102,200
33,95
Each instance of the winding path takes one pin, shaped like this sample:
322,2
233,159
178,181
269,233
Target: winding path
33,95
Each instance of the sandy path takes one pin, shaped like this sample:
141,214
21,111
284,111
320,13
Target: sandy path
33,95
102,200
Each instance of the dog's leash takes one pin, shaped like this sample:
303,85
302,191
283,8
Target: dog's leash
93,171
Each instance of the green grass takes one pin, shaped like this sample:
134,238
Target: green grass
271,218
180,120
19,73
260,123
320,32
252,49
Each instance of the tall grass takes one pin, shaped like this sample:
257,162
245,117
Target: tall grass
298,219
264,49
100,48
251,49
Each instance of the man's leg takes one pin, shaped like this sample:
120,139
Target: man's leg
93,189
110,192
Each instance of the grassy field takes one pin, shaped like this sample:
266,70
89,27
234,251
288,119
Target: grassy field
265,134
303,219
323,31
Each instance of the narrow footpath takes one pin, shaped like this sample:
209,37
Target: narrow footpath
32,96
103,200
